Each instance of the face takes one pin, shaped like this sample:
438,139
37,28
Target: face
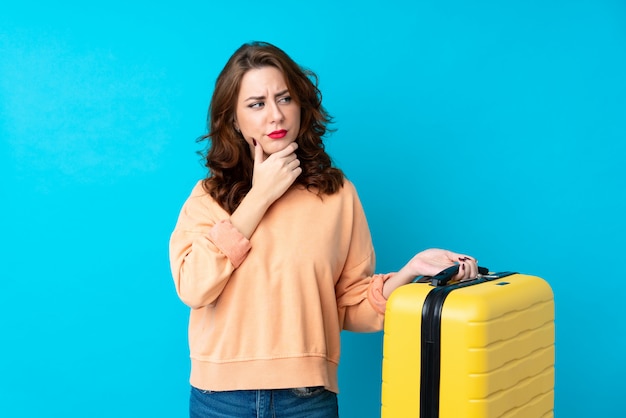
265,110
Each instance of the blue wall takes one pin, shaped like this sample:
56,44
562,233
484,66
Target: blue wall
487,127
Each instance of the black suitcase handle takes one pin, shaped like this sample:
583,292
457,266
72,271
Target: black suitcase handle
443,277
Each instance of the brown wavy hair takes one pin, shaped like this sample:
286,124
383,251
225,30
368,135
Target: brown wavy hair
228,156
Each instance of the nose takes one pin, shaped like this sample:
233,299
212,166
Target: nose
276,114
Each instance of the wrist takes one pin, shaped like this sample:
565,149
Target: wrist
396,280
258,199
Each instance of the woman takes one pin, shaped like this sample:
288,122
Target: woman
272,250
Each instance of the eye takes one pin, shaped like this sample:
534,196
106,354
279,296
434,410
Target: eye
256,105
285,100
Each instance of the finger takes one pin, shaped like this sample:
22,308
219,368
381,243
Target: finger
469,268
455,257
293,164
259,155
463,273
289,149
474,268
466,258
462,257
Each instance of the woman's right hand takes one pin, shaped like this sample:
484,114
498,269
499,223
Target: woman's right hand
274,174
271,178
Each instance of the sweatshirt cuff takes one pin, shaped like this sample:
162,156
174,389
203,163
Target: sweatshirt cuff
375,292
230,242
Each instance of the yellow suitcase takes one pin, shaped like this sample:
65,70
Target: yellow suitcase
477,349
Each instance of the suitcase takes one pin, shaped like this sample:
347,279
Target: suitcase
477,349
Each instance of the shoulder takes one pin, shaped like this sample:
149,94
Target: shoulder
201,204
348,186
348,190
346,199
198,190
199,195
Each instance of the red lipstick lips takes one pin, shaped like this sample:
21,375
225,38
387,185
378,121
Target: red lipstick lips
277,134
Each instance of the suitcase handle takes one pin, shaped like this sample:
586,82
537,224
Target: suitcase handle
443,277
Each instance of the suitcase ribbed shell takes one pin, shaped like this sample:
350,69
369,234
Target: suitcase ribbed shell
497,350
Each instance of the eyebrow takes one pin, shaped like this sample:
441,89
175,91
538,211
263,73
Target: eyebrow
280,93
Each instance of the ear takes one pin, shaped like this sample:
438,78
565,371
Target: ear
236,126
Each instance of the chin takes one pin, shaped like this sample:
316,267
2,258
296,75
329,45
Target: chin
276,145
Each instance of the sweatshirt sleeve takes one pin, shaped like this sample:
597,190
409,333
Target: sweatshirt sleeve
205,249
360,301
375,292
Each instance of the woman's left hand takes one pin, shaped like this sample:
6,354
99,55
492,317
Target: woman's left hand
429,263
432,261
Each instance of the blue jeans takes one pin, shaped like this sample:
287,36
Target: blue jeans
314,402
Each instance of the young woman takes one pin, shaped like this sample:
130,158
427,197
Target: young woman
272,251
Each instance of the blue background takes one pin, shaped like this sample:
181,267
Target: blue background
487,127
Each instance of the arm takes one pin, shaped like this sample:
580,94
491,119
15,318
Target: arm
362,295
206,248
367,314
272,177
356,306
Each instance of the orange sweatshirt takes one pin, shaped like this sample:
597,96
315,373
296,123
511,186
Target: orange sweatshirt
266,313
